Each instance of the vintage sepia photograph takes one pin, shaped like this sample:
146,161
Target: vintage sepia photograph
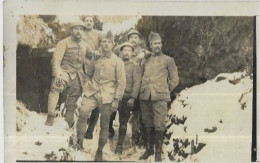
134,88
130,87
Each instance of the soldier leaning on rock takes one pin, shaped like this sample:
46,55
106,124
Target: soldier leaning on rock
67,72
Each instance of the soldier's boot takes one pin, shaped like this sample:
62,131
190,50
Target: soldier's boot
158,145
69,117
142,133
71,106
50,120
79,145
121,137
101,143
92,123
135,138
99,156
52,102
150,143
111,129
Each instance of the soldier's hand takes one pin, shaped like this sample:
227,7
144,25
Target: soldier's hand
130,102
114,105
98,53
58,81
147,54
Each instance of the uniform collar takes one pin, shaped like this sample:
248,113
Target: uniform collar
137,50
75,40
107,55
127,61
89,31
160,54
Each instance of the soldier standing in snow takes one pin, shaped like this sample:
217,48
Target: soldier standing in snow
92,38
133,37
67,72
133,81
159,78
139,53
103,88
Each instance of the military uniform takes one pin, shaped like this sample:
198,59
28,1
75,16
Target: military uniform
136,121
159,78
133,81
105,81
67,63
92,39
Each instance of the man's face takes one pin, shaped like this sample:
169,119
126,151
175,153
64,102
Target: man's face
156,46
77,32
89,23
127,52
134,39
106,45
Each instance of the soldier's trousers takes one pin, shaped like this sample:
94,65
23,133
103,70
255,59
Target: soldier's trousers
136,123
124,113
73,90
89,104
154,114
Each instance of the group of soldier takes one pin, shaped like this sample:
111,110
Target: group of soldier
134,81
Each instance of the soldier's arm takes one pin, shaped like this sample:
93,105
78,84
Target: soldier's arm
137,76
89,53
90,71
121,79
172,74
60,50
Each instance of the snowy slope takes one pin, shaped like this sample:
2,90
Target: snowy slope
210,122
218,118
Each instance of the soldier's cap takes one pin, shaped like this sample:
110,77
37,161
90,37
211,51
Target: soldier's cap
77,23
154,37
133,31
126,44
109,35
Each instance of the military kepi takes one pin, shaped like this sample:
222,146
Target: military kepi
154,37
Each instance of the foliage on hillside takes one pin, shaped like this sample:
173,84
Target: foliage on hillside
203,46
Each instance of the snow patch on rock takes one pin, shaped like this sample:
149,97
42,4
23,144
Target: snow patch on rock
217,121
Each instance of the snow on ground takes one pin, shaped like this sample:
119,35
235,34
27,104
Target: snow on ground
218,120
210,122
35,141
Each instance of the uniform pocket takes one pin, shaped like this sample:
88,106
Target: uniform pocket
65,76
162,90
